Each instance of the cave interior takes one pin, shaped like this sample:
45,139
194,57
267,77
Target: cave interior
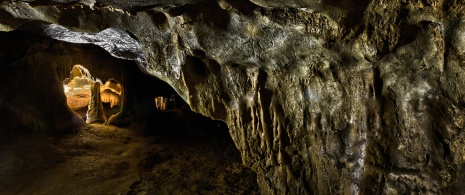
59,90
232,97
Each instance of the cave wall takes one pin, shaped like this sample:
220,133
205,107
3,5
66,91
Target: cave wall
33,72
32,98
321,97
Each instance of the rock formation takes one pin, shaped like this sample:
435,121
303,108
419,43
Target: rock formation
95,111
77,88
320,97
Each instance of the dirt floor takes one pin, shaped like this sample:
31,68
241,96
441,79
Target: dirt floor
102,159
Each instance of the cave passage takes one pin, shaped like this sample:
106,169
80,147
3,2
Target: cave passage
150,140
77,90
78,93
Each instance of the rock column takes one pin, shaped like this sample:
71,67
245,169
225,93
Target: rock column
95,111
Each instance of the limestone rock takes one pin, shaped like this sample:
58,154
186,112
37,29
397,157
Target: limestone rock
95,110
321,97
77,87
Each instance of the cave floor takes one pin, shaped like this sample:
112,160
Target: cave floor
101,159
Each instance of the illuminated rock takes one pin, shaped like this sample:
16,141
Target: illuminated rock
95,110
112,85
321,97
77,87
111,92
110,97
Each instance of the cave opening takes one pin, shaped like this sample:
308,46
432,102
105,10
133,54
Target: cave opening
78,91
150,141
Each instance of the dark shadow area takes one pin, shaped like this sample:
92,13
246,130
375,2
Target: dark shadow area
164,149
244,6
159,19
356,10
409,32
31,94
207,11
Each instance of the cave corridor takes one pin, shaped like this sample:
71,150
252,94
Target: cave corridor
232,97
154,147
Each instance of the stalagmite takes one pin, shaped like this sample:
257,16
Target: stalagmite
321,97
95,110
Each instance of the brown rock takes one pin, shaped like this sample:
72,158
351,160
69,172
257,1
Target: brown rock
95,111
334,97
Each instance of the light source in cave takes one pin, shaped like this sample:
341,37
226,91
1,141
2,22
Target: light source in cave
78,92
165,103
77,89
110,95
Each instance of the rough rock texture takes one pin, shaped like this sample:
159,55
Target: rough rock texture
32,77
320,96
95,111
32,99
78,88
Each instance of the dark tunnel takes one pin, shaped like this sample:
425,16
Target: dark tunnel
36,78
35,70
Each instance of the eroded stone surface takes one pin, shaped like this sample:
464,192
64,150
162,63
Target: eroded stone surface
95,112
320,97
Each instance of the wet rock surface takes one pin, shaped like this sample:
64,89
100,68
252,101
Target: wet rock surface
327,97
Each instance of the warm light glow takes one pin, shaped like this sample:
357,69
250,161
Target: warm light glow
110,92
112,85
108,96
165,103
77,88
160,103
78,98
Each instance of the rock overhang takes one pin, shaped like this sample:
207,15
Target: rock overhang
345,82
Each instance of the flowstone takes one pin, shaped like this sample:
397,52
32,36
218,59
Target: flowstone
320,97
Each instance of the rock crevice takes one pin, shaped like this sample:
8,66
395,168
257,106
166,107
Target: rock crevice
321,97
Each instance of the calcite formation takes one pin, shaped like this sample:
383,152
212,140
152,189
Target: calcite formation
320,97
95,113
